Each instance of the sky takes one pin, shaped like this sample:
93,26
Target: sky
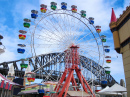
14,11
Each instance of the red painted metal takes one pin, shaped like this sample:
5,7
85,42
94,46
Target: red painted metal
60,81
87,84
68,83
71,62
74,83
80,79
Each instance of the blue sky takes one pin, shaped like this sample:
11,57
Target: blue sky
14,11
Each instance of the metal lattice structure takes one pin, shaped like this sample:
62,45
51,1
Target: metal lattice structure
47,65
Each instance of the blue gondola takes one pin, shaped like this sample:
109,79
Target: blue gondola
107,50
103,83
21,50
34,14
91,20
63,5
41,91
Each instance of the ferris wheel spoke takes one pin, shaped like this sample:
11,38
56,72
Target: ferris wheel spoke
76,38
66,19
93,46
58,23
91,50
74,30
66,34
64,25
59,18
46,29
47,36
83,37
73,20
47,41
53,26
50,49
63,21
44,38
69,24
90,40
47,44
92,58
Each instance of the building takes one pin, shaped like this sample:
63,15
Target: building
121,34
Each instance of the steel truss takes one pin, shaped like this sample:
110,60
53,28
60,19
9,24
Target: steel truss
48,64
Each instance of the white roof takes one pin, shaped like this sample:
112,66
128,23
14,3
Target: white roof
107,87
116,88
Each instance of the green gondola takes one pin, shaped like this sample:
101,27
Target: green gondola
27,25
103,40
53,7
23,65
83,15
107,72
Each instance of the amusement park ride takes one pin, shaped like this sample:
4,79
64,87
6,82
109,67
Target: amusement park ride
81,58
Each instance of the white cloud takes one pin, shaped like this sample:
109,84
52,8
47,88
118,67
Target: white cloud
7,56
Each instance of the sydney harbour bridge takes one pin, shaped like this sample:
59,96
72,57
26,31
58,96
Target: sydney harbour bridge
48,63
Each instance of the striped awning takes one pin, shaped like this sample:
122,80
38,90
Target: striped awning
7,82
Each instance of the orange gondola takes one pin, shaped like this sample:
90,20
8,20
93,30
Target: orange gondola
22,36
98,30
108,61
43,8
31,76
74,8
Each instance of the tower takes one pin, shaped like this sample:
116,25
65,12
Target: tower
121,34
71,65
11,74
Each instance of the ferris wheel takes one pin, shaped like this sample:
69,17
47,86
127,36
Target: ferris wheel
56,29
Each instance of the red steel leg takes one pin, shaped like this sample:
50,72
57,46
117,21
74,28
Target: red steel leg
66,83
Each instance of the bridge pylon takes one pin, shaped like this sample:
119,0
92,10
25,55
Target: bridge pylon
11,73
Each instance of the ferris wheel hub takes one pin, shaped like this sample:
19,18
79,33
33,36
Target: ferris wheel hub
74,46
